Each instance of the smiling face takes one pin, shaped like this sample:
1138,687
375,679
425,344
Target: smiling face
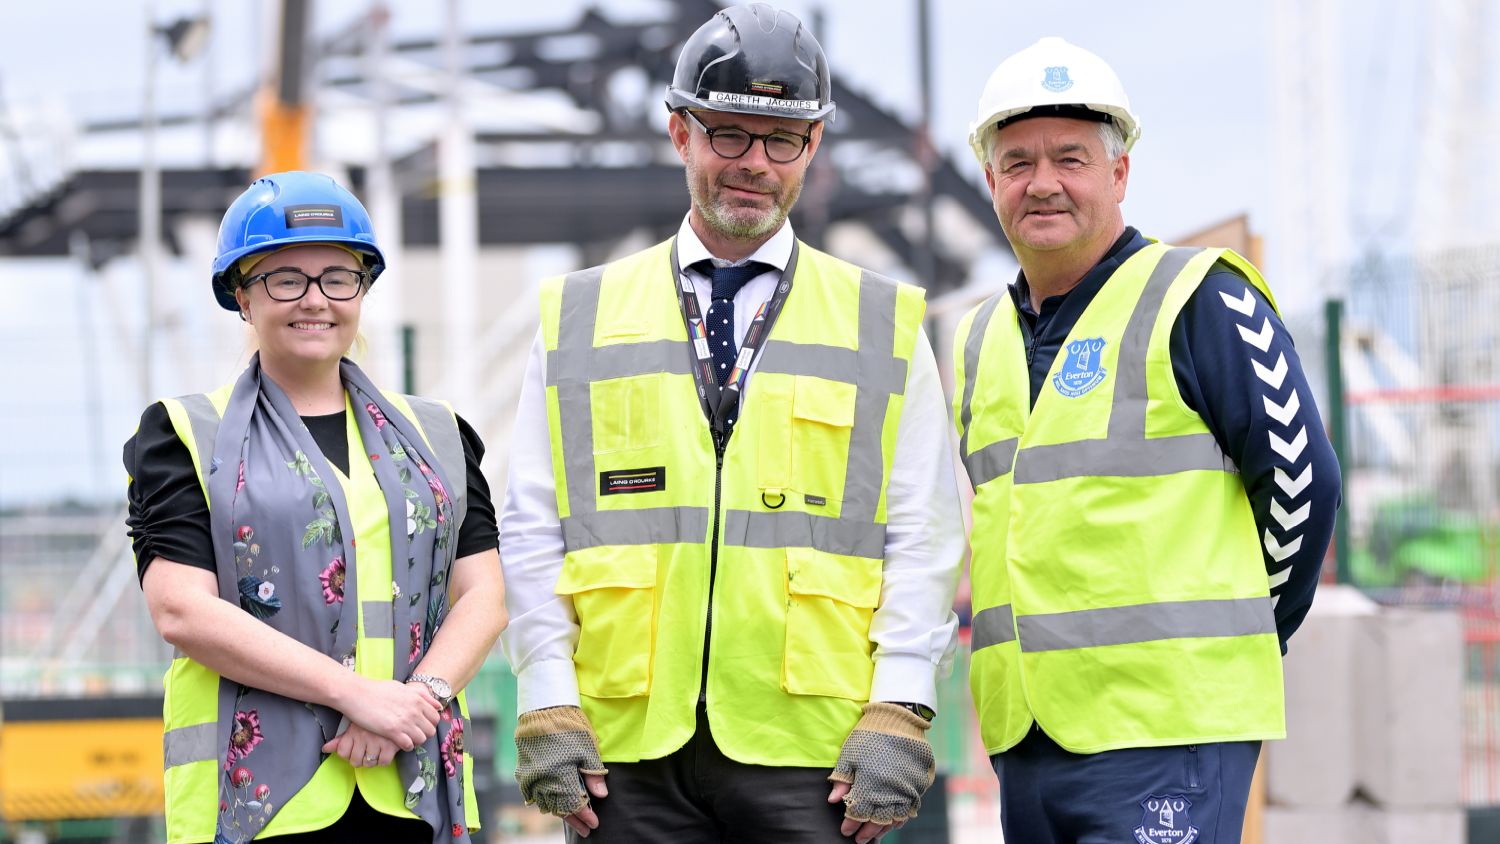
312,332
1054,187
741,200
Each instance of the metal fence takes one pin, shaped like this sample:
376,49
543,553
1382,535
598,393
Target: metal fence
1420,369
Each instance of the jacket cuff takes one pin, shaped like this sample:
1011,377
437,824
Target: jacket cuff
910,679
551,682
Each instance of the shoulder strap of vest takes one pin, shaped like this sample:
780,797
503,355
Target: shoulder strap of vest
195,418
439,426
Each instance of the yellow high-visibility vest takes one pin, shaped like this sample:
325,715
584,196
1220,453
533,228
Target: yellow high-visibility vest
799,507
1119,591
191,707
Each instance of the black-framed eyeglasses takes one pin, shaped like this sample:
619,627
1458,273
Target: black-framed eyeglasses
337,283
733,142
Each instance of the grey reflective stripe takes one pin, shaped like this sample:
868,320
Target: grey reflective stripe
624,359
204,420
803,530
973,344
881,374
1121,458
441,427
651,526
1146,623
1127,452
834,363
1127,418
379,618
992,626
190,744
990,462
571,372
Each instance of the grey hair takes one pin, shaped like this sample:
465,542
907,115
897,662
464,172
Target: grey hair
1110,134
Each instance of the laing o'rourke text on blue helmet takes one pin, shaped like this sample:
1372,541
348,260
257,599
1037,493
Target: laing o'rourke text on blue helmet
286,209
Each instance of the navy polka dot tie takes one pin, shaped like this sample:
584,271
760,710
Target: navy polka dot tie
727,281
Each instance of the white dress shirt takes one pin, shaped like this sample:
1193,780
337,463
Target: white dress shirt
913,629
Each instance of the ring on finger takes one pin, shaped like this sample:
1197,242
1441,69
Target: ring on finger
370,760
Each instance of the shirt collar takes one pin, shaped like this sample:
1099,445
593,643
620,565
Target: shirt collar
777,251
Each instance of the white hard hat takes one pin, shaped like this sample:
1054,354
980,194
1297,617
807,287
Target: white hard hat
1052,72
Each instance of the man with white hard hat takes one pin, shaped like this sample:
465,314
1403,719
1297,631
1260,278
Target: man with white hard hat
1154,492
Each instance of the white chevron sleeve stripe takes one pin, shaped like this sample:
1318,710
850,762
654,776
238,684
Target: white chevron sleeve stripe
1293,486
1243,305
1283,413
1273,376
1281,577
1289,450
1260,340
1278,551
1292,519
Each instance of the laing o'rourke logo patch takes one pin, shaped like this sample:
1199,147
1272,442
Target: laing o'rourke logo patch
1165,821
633,480
330,216
1082,370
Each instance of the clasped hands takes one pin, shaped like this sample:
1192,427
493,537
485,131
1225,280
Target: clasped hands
385,716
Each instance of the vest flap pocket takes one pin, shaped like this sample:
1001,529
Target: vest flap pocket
624,566
853,580
821,400
614,597
830,601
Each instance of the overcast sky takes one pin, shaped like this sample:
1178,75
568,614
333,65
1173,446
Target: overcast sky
1199,74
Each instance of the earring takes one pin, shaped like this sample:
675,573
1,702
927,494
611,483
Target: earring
244,316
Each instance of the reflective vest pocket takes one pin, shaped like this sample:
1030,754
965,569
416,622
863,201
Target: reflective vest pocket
614,596
626,413
822,422
830,600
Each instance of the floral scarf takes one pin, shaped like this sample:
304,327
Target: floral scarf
285,552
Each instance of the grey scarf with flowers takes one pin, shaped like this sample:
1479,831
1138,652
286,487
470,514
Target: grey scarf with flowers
285,552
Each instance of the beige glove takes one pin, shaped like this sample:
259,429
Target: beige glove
554,747
888,764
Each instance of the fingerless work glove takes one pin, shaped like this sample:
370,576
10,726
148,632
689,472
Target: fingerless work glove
888,764
553,747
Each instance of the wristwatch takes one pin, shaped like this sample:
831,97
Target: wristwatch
437,685
917,709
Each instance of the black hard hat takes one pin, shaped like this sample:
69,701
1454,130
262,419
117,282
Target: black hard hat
753,59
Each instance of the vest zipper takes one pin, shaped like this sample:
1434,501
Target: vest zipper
721,442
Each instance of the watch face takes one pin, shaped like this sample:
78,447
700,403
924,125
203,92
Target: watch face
441,688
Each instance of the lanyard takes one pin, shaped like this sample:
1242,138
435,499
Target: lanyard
720,403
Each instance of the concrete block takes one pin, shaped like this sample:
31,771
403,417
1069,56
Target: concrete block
1410,676
1403,826
1314,766
1343,824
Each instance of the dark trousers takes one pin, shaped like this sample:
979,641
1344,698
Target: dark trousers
1193,794
698,794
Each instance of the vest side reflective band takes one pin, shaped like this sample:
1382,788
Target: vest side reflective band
850,537
972,346
194,743
651,526
674,357
992,626
379,617
1126,452
990,462
441,427
1116,458
1146,623
571,373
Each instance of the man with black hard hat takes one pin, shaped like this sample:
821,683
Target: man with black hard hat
732,531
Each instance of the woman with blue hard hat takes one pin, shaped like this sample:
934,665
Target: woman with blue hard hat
321,554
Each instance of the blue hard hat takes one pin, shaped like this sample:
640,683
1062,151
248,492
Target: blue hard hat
285,209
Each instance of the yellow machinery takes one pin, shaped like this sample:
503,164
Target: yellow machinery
80,758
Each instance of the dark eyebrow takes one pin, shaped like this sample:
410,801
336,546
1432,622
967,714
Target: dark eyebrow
1075,147
1015,152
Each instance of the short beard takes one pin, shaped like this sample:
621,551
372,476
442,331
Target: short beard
722,219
